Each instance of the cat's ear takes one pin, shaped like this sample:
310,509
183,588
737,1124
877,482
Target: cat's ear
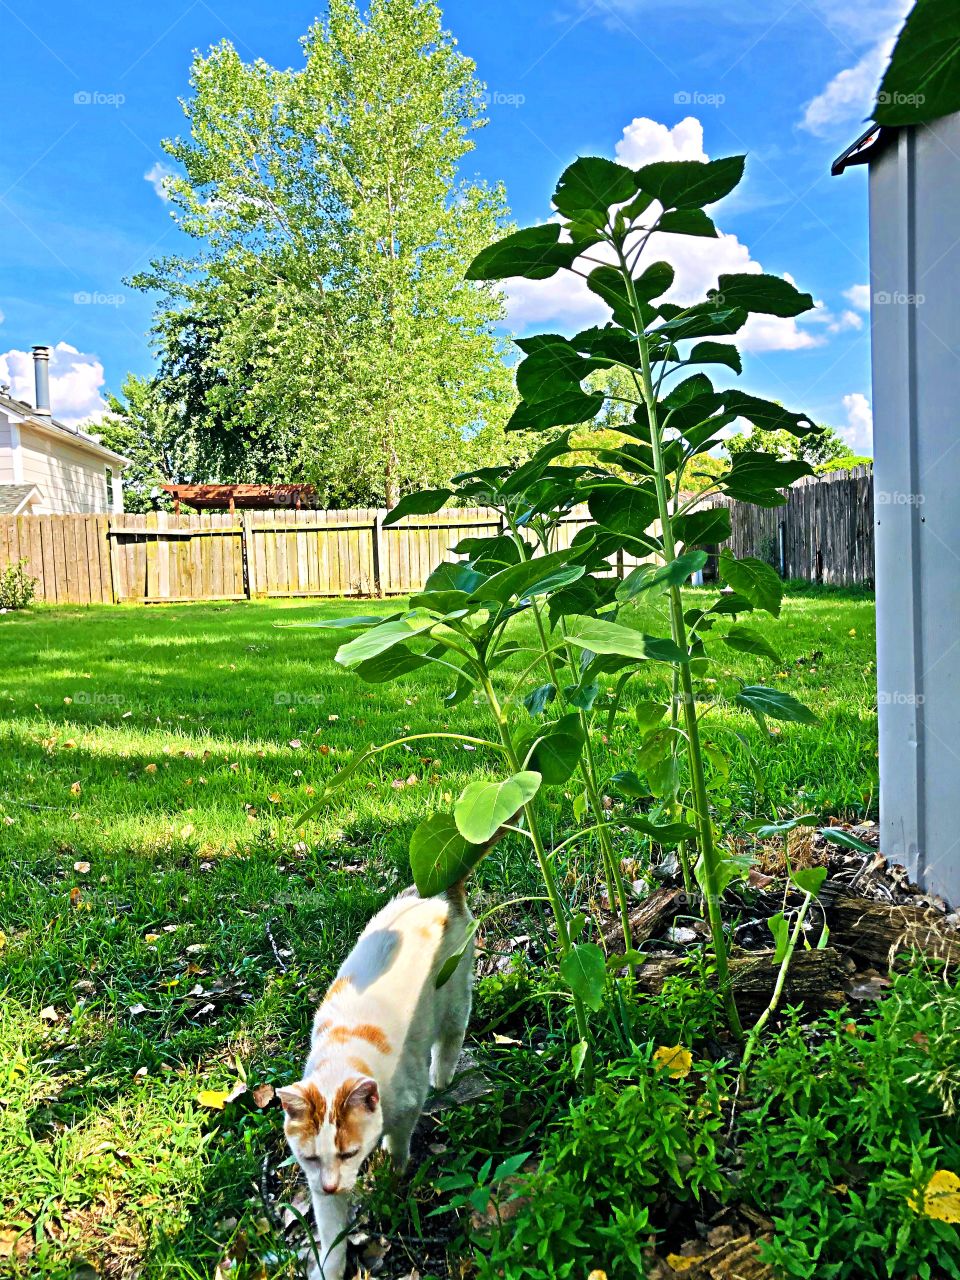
293,1102
365,1094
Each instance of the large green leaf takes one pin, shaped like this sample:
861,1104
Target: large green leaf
717,353
553,750
553,369
484,807
837,835
653,281
424,503
690,184
766,414
658,578
584,970
922,81
590,185
609,285
564,409
341,624
753,579
746,640
665,833
440,856
390,665
758,477
704,320
539,576
600,636
754,291
624,508
450,575
687,222
487,555
709,525
774,703
381,638
535,253
532,470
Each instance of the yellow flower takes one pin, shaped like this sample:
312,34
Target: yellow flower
674,1059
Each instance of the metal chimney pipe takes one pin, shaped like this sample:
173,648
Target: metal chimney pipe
41,373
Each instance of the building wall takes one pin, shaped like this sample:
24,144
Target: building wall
69,478
8,440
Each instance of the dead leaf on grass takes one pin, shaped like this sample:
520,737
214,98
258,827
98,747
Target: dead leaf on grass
82,868
75,788
262,1095
49,1014
940,1198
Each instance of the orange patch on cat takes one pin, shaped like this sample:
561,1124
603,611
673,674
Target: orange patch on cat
373,1035
348,1120
358,1064
366,1031
340,984
308,1124
320,1025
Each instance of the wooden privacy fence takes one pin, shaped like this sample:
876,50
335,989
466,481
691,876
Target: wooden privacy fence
824,533
90,559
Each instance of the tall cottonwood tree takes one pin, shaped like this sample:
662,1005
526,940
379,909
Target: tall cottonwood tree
342,343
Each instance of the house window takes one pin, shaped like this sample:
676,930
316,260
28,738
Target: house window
110,495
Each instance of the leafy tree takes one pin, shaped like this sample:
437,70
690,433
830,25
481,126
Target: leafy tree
325,331
819,447
147,428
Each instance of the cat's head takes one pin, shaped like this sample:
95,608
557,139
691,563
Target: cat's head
332,1130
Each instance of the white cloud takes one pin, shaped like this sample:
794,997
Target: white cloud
158,175
859,296
564,301
858,432
645,141
75,382
849,96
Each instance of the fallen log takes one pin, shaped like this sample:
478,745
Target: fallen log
875,932
646,919
815,978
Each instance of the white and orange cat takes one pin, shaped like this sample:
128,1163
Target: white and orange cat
384,1034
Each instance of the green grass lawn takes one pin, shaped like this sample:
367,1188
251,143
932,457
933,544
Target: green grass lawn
166,927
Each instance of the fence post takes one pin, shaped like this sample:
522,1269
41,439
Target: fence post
378,552
246,555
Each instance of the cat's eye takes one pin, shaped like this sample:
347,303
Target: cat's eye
348,1155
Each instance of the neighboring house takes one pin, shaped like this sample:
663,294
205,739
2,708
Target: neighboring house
48,468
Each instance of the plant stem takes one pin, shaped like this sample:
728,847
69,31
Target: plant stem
771,1008
553,893
709,856
616,891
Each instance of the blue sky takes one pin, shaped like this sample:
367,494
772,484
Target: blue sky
88,91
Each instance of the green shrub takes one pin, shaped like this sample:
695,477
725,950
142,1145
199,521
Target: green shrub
604,1165
847,1133
17,588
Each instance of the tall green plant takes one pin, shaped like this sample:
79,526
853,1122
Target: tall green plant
611,216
